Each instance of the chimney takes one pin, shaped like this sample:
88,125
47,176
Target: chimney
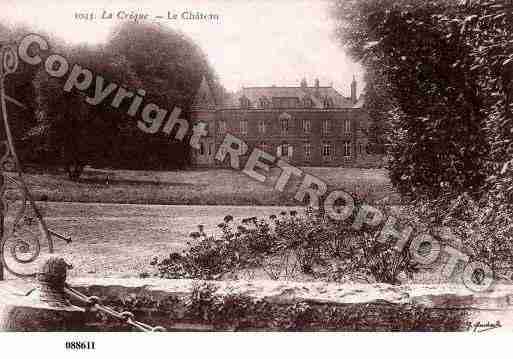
353,90
317,83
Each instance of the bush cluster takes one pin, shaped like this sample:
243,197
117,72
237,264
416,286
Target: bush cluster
312,246
290,246
481,229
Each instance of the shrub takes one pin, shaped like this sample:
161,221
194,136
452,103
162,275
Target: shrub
481,228
290,246
428,71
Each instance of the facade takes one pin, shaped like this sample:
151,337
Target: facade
305,125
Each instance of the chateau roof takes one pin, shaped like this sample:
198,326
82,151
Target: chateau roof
316,94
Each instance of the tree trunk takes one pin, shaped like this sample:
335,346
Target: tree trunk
74,169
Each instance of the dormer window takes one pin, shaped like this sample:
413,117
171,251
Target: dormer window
327,102
244,102
264,102
307,102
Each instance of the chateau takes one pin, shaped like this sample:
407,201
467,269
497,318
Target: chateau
305,125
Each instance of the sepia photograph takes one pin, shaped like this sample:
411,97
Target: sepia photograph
189,167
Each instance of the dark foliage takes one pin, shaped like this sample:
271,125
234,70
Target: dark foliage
60,128
421,56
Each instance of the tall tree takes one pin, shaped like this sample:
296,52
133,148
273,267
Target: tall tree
71,131
439,142
18,85
170,66
165,64
488,26
378,102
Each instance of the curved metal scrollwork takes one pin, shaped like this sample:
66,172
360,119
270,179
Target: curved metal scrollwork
21,243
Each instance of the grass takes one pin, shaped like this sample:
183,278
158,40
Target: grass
115,239
200,187
121,240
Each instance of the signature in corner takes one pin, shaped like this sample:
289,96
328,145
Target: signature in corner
479,327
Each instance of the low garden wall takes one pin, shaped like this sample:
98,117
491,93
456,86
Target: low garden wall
292,306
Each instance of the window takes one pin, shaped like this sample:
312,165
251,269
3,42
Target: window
347,126
327,150
284,150
326,127
284,125
202,149
347,149
360,148
307,125
244,127
261,126
222,127
285,120
264,102
308,150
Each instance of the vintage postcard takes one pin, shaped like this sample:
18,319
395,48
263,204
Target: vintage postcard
255,166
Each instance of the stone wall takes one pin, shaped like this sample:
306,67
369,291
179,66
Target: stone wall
275,305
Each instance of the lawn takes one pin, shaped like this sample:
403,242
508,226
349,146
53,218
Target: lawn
201,187
122,239
121,220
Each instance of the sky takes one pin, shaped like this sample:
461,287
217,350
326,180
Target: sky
253,42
